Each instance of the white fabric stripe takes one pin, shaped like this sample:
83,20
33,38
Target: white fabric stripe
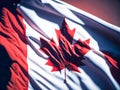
70,7
41,23
54,80
45,79
36,21
62,9
115,29
102,64
104,42
40,75
33,63
80,31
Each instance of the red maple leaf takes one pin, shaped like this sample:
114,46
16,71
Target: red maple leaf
65,55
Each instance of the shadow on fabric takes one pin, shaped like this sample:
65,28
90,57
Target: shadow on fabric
5,63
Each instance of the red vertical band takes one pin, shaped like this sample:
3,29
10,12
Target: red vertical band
12,38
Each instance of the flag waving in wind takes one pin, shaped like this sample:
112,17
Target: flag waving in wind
51,45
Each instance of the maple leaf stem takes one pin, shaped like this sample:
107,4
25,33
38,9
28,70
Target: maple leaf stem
65,81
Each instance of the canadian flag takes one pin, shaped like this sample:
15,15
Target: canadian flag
51,45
